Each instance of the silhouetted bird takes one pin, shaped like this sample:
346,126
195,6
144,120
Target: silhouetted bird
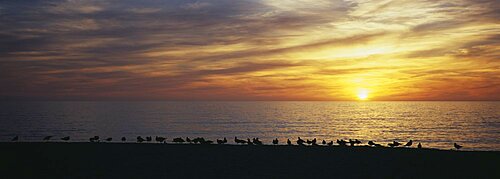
458,147
288,142
419,145
353,142
124,139
308,142
178,140
239,141
409,143
249,142
109,139
200,140
94,139
341,142
256,141
188,139
300,141
330,143
356,141
149,138
313,142
16,138
223,141
140,139
47,138
324,142
394,144
160,139
65,138
275,141
371,143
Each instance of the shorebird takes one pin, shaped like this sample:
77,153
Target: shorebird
371,143
124,139
275,141
419,145
308,142
140,139
313,142
249,142
288,142
239,141
94,139
47,138
200,140
409,143
256,141
394,144
178,140
188,139
16,138
206,141
457,146
149,138
330,143
65,138
324,142
223,141
341,142
109,139
160,139
354,142
300,141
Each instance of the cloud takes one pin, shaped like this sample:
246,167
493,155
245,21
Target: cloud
265,49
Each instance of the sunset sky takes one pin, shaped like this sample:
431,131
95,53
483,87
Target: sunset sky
250,50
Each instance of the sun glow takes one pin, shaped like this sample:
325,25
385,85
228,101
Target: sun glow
363,94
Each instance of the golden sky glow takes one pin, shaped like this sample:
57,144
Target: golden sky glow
251,50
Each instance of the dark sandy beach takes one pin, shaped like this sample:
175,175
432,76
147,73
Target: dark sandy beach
117,160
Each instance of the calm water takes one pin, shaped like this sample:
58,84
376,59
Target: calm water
476,125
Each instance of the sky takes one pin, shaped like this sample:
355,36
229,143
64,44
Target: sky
250,50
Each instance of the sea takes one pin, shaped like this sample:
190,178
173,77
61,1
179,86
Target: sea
438,124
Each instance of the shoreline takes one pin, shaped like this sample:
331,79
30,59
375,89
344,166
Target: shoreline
140,160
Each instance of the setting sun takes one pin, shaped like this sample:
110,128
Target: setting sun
363,94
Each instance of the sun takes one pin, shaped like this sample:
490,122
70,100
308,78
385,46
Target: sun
362,94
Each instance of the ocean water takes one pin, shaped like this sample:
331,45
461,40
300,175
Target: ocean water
475,125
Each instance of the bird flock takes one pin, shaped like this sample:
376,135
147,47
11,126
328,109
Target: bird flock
248,141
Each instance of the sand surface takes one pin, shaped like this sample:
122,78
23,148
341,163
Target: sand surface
129,160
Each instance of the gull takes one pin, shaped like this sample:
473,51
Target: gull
409,143
178,140
140,139
275,141
239,141
300,141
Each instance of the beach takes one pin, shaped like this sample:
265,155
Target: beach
150,160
